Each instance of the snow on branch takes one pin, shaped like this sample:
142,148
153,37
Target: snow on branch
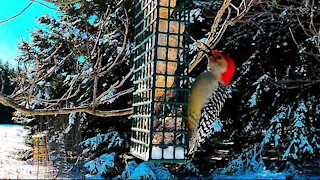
146,170
251,161
112,138
299,143
72,69
72,119
255,96
100,166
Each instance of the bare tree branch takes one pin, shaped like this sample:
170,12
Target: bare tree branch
214,36
5,100
82,86
18,14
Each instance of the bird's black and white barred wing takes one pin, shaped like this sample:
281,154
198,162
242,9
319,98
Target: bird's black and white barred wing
211,111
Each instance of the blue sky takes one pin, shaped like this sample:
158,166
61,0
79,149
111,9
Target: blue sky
11,32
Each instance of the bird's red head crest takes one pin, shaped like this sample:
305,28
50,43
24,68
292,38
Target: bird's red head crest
222,58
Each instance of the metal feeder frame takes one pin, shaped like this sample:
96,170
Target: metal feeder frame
148,107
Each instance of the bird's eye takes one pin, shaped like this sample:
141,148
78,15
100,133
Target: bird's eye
219,57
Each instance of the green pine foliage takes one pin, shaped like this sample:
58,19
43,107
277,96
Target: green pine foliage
271,117
6,86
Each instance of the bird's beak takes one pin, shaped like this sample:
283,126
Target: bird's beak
194,63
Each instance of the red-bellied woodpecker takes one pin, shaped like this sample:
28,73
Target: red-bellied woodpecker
207,97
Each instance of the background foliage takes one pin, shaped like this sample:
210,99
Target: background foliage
271,118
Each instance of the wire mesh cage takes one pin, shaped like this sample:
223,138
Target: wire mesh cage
56,152
159,128
40,155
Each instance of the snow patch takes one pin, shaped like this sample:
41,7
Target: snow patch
265,174
12,141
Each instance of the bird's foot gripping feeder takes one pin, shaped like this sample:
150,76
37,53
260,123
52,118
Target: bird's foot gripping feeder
159,128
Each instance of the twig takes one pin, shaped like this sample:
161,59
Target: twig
215,37
12,17
41,3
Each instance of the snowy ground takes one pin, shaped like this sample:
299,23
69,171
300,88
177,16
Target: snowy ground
12,141
267,175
